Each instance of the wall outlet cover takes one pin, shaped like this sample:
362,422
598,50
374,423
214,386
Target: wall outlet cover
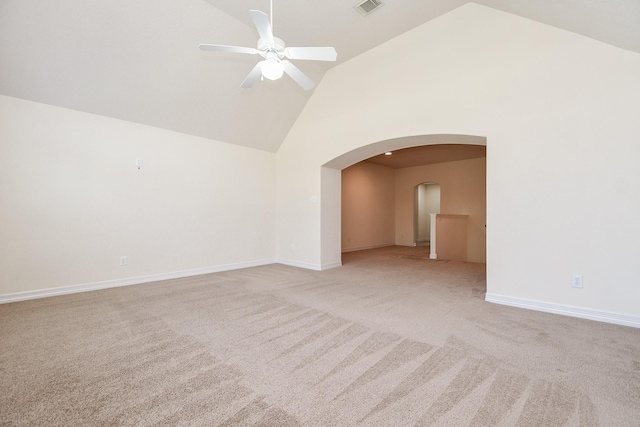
576,280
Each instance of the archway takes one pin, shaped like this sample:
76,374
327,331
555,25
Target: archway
427,202
331,184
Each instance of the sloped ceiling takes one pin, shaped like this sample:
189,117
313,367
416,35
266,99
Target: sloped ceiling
139,60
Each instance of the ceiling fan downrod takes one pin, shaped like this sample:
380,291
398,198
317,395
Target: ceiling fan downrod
271,13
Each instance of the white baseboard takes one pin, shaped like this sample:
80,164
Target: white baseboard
43,293
364,248
299,264
567,310
331,265
308,265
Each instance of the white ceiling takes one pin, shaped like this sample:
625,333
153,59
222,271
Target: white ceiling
139,60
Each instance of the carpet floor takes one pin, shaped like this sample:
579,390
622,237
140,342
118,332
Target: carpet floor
390,339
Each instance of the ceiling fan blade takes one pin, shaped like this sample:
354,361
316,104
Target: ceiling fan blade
311,53
263,25
223,48
297,75
253,76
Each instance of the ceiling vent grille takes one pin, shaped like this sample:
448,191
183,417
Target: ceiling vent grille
367,6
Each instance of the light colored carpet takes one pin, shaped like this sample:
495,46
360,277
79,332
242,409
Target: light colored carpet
390,339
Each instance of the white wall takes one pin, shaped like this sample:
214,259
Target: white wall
428,195
421,213
550,103
368,206
72,201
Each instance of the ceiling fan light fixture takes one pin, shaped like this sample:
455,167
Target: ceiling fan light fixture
272,69
274,51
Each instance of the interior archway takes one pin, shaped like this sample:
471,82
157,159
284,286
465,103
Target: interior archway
427,201
331,238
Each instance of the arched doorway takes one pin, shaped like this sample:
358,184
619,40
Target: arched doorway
331,233
427,202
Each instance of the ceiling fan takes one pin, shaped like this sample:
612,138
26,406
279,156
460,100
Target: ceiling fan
275,53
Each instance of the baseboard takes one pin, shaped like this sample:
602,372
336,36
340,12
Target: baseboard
308,265
331,265
364,248
299,264
52,292
583,313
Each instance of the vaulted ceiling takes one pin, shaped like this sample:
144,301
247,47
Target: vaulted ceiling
139,60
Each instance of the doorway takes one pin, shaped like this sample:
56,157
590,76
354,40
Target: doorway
427,202
460,189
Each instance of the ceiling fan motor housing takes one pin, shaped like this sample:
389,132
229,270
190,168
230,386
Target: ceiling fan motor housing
277,46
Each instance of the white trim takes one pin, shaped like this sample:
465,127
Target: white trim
299,264
52,292
364,248
309,266
324,267
566,310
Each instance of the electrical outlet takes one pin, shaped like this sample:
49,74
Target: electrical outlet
576,280
123,260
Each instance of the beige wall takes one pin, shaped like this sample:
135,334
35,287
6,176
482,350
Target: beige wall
548,101
452,237
378,203
72,201
462,192
368,206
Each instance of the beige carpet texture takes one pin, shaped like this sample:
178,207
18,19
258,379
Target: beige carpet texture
390,339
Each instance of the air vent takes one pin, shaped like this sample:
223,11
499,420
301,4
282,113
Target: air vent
367,6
